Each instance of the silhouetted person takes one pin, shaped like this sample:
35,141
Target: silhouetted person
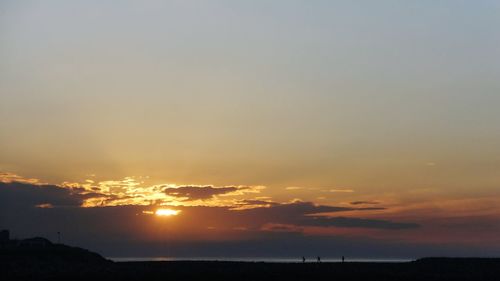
319,259
343,258
303,259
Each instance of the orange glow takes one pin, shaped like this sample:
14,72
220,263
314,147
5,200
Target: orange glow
167,212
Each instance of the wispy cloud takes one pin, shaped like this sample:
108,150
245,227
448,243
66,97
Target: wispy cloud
346,190
195,192
364,202
6,177
293,188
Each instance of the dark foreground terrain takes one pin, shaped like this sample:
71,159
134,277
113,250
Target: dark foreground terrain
59,262
426,269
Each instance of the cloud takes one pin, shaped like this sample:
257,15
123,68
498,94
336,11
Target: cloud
32,192
198,192
61,208
276,227
6,177
194,192
19,193
249,213
364,202
253,203
303,214
45,205
347,190
284,211
341,190
355,222
132,191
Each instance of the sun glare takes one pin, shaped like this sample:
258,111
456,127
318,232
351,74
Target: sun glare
167,212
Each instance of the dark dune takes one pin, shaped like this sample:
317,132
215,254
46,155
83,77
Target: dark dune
59,262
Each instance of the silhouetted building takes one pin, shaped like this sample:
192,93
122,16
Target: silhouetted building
4,236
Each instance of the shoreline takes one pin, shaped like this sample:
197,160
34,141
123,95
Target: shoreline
257,260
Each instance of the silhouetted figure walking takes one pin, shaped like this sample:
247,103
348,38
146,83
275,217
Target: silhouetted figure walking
303,260
319,259
343,259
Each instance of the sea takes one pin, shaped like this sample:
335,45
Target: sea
258,259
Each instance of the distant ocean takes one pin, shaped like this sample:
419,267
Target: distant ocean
255,259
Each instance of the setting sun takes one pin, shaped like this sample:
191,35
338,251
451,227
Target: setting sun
167,212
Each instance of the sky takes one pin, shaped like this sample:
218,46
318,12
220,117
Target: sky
360,127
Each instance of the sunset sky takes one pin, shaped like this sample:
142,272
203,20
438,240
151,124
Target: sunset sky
370,128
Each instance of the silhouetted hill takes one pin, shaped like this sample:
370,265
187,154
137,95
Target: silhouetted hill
42,250
39,259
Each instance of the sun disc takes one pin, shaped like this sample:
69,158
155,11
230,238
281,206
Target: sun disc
167,212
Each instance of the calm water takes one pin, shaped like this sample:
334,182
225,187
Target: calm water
276,260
